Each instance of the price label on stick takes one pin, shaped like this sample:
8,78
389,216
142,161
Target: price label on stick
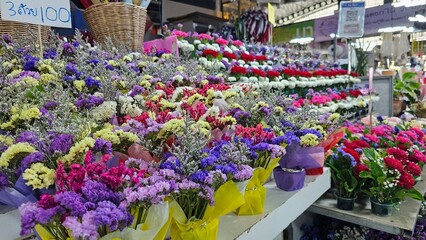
351,19
54,13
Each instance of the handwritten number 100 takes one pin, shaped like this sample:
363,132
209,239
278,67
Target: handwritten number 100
51,13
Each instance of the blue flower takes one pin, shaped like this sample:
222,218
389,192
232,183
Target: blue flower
199,176
208,161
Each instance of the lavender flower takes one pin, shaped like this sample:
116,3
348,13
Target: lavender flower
311,131
86,229
92,83
244,172
61,143
28,160
50,105
88,103
28,212
137,90
44,216
96,192
30,63
103,146
110,215
71,201
29,137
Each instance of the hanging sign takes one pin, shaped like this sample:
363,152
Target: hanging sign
54,13
351,19
271,14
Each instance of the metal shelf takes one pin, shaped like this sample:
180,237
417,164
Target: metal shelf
402,220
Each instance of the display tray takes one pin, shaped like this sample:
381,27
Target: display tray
281,209
402,221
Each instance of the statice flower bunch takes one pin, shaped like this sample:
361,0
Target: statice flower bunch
148,191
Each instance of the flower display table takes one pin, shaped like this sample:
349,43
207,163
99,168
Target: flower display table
401,221
281,209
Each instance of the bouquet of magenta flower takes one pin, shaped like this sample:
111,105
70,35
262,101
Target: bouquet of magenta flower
88,196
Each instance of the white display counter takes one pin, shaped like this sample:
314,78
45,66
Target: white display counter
281,209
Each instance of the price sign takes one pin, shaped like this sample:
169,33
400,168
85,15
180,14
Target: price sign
55,13
351,19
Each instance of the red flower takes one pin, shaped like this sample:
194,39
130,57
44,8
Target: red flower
305,74
361,143
406,181
258,72
289,72
399,154
393,163
355,93
409,134
261,58
353,153
209,52
372,138
354,74
403,142
229,55
413,169
46,201
238,70
356,144
360,168
343,95
419,133
273,74
247,57
417,156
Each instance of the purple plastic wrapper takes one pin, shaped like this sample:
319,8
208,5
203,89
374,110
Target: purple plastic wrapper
289,179
17,195
113,162
298,157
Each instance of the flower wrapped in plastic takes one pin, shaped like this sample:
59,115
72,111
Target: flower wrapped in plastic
205,226
264,157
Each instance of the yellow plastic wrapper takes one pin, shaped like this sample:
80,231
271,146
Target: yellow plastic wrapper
154,228
255,193
43,234
227,199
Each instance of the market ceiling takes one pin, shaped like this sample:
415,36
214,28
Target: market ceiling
288,11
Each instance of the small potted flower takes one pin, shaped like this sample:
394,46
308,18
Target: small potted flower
390,181
343,164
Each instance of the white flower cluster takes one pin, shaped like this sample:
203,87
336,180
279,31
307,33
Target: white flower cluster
292,82
211,65
185,46
104,111
129,106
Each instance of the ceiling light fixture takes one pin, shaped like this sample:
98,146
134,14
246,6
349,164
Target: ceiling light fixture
408,3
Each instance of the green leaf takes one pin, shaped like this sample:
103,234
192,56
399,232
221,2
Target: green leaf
369,153
376,170
365,175
413,193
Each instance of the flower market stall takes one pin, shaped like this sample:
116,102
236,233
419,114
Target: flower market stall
101,142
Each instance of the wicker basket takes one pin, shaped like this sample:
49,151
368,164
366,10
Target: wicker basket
117,20
17,29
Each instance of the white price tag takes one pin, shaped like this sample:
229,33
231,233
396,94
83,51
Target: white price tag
55,13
